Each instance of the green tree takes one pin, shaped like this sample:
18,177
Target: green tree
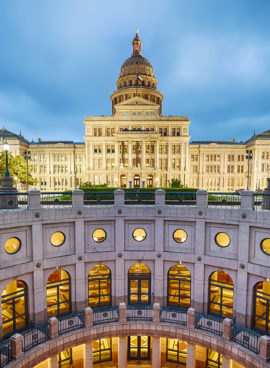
176,183
17,168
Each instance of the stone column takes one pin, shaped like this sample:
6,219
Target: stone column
16,346
143,155
122,352
77,198
129,155
80,272
247,200
156,311
226,363
157,155
53,328
33,199
191,359
191,318
201,199
87,355
119,262
156,358
266,197
53,362
227,329
265,348
88,317
123,312
119,197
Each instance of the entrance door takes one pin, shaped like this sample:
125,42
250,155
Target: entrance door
139,348
139,284
149,181
123,181
136,181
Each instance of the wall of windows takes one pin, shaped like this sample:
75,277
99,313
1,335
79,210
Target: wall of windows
220,294
179,286
139,284
58,293
99,286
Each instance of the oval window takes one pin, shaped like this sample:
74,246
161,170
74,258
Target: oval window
99,235
180,236
222,239
58,239
265,246
12,245
139,234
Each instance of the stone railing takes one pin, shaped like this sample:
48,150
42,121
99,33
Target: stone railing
15,347
34,199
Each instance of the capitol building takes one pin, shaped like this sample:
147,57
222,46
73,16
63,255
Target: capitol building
139,147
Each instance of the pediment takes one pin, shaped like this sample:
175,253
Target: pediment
136,101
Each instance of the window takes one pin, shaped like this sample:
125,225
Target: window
139,234
139,284
179,287
214,359
64,359
180,236
139,348
57,239
99,235
102,350
176,351
220,294
12,245
222,239
261,319
58,293
99,286
265,246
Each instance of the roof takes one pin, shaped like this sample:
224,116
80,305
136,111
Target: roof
218,142
6,134
40,142
263,135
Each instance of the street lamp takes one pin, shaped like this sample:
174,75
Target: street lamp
27,156
249,157
6,149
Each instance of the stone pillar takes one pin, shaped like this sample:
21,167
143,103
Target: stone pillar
226,363
160,197
122,352
53,328
33,199
227,329
130,164
53,362
247,200
88,317
266,197
77,198
201,199
119,197
143,155
119,261
9,200
191,358
191,318
80,301
157,155
16,346
87,355
264,342
156,356
123,312
156,310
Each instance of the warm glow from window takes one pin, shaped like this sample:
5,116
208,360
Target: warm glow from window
139,234
12,245
222,239
99,235
265,246
180,236
58,239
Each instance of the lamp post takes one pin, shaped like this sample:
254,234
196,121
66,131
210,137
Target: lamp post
27,157
249,157
6,149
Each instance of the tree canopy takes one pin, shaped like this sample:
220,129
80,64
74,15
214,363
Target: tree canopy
17,168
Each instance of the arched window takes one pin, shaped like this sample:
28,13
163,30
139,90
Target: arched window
261,318
176,351
58,293
123,181
14,307
179,286
149,181
139,284
220,294
99,286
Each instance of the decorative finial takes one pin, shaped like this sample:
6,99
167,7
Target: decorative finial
137,31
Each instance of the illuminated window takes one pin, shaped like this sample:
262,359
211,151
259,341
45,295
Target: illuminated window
102,350
58,293
64,359
139,234
12,245
214,359
180,236
99,235
221,294
58,239
176,351
179,286
139,284
265,246
99,286
222,239
261,319
14,307
139,348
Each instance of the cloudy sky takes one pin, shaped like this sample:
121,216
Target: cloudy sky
59,60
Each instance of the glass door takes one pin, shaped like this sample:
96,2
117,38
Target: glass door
139,348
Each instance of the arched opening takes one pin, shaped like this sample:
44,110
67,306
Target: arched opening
58,293
149,181
99,286
213,359
123,181
136,181
64,359
261,317
176,351
220,294
14,307
139,347
102,350
139,284
179,287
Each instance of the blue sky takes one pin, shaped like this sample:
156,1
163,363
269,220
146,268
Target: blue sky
59,60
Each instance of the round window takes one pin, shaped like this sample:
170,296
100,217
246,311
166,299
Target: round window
12,245
139,234
99,235
180,236
222,239
265,246
58,239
